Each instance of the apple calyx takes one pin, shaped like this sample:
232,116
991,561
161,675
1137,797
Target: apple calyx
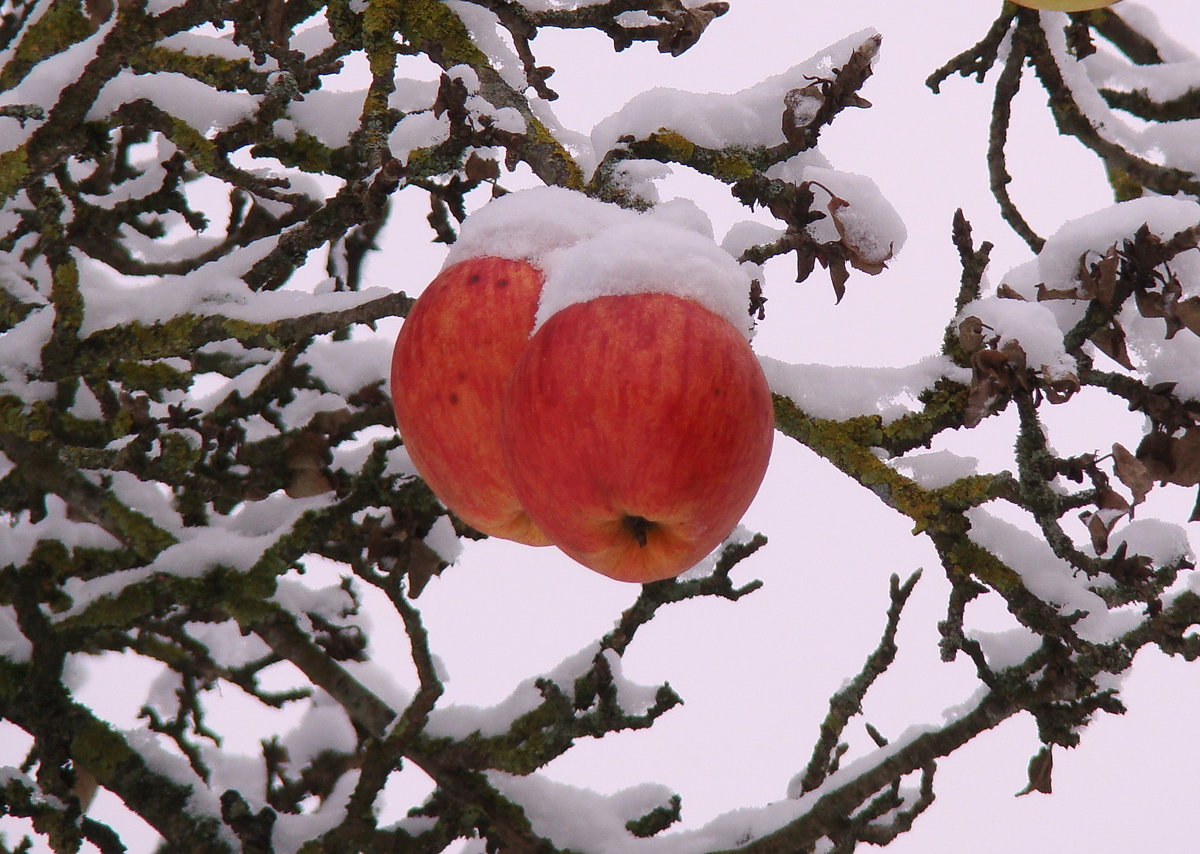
639,527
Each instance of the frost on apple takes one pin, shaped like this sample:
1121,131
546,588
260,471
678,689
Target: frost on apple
229,599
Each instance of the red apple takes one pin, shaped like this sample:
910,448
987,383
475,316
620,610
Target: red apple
637,430
450,367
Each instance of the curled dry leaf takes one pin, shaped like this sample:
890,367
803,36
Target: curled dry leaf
1040,768
1059,389
1171,459
1132,472
970,335
865,253
800,109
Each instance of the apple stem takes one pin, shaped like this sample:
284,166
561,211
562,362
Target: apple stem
638,526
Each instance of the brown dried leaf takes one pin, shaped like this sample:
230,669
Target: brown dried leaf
481,169
423,564
1060,389
979,397
1185,458
1044,293
800,108
838,275
1132,472
1154,452
1099,281
992,364
1006,292
307,482
1041,768
1151,303
1015,353
851,237
1111,341
970,335
1188,313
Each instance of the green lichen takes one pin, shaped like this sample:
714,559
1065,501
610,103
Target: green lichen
675,146
304,152
200,150
59,27
228,75
426,24
14,168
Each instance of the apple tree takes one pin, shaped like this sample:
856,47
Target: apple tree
201,479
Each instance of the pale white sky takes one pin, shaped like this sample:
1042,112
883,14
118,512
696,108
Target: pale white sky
755,675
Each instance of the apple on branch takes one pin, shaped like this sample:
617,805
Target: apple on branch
450,367
458,345
638,423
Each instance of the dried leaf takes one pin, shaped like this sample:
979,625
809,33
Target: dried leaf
481,169
1111,341
1099,281
1188,313
1185,458
1132,472
800,109
423,564
970,335
1041,767
1015,353
1044,293
838,274
1154,452
861,245
1129,569
307,482
1060,389
1006,292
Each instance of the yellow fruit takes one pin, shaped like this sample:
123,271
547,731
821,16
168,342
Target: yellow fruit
1065,5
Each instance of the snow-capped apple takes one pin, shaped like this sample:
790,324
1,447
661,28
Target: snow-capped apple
450,366
1065,5
637,429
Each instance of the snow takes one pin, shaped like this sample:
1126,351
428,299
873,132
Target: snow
1032,325
1161,541
842,391
291,832
1051,578
589,249
749,118
324,727
648,256
459,721
418,130
329,116
869,224
13,644
530,224
443,540
936,469
236,541
19,541
184,97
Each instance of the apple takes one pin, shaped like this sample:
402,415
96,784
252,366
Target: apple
637,429
450,367
1065,5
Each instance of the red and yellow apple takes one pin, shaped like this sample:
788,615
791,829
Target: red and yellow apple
1065,5
636,430
450,367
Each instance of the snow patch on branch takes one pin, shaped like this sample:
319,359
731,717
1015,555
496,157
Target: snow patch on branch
843,391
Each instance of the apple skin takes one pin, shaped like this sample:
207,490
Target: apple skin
1065,5
637,429
450,367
